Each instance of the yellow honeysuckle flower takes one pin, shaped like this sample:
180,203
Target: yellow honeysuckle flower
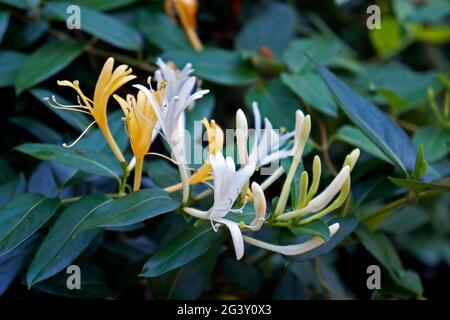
108,82
140,120
187,12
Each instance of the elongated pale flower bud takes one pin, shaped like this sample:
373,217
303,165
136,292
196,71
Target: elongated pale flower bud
299,119
323,199
296,249
352,158
259,201
242,136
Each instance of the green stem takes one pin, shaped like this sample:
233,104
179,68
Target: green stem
399,202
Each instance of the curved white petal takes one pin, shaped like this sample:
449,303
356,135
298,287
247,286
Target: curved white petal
296,249
236,236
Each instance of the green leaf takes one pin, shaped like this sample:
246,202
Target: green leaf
433,140
76,119
216,65
4,20
64,243
355,137
421,166
93,284
258,31
37,129
405,220
22,217
10,64
161,32
418,186
134,207
102,26
314,228
12,189
13,262
102,5
400,86
200,269
185,247
324,49
162,173
312,90
431,11
377,126
388,39
383,250
46,62
276,102
22,4
84,160
346,227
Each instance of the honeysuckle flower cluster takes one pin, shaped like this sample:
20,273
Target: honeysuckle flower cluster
160,110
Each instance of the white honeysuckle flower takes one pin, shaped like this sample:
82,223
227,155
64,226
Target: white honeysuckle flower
174,79
175,93
295,249
268,145
228,184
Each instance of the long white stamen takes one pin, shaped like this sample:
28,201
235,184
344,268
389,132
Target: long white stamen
78,139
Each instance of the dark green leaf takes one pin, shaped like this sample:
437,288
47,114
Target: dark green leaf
276,102
161,32
162,173
4,20
258,31
37,129
378,127
102,5
102,26
417,186
355,137
199,269
64,243
12,189
93,284
312,90
185,247
10,64
245,276
314,228
22,217
216,65
433,140
134,207
383,250
88,161
325,49
22,4
405,220
13,262
46,62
